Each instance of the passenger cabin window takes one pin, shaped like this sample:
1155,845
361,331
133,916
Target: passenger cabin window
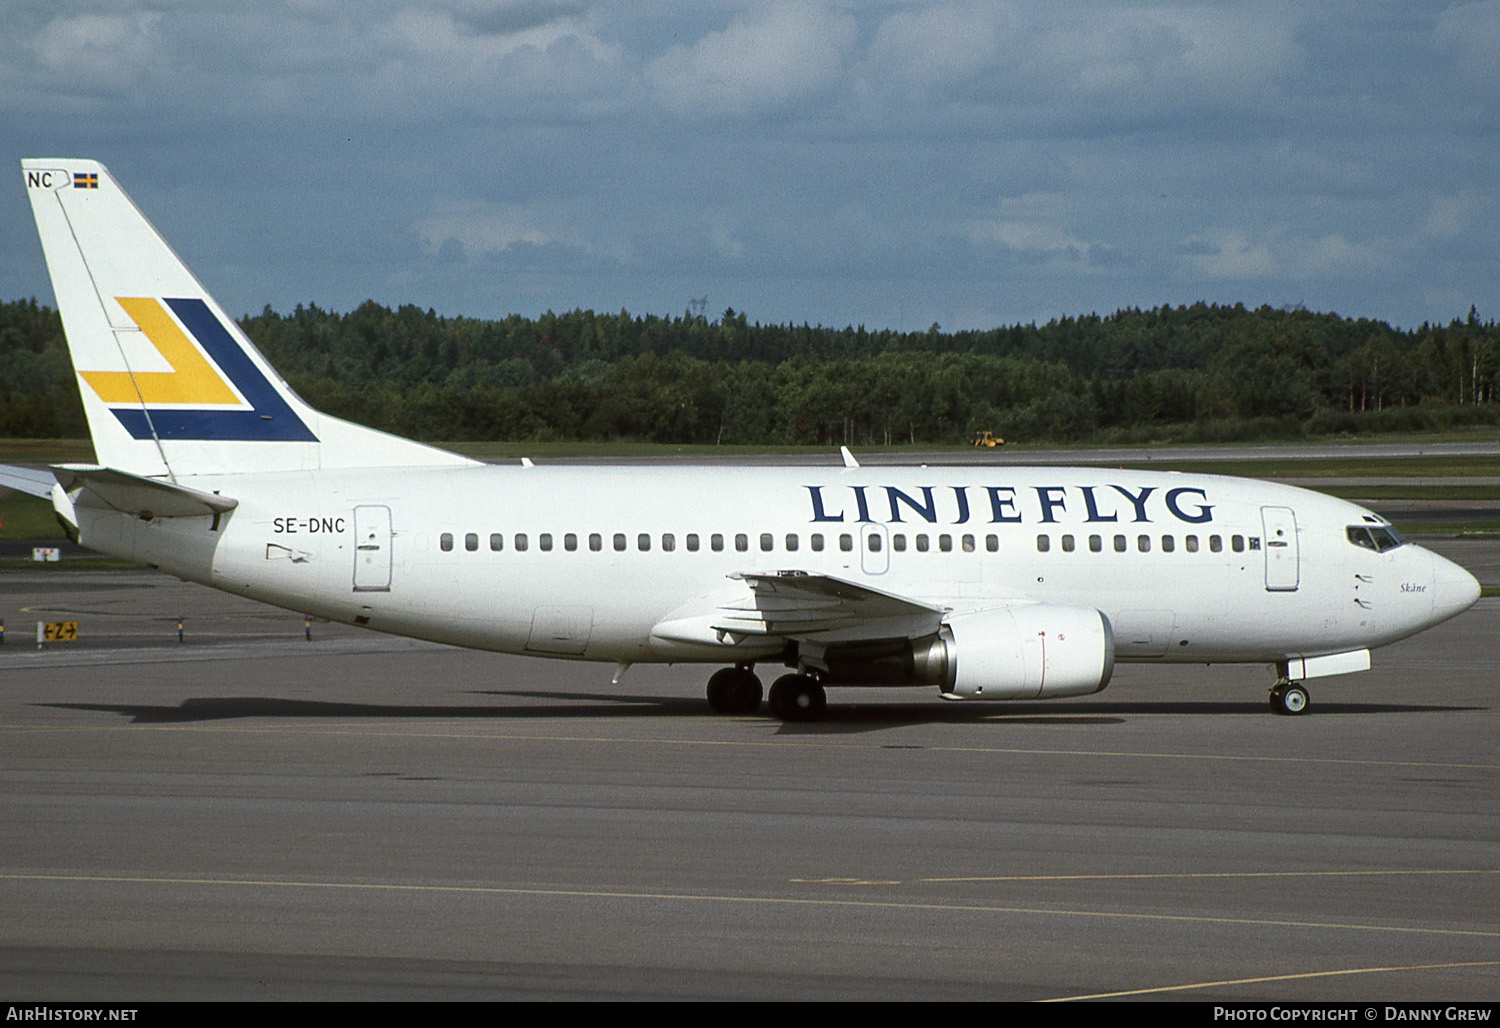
1143,543
1120,544
1168,544
596,541
521,542
968,543
570,542
668,542
846,542
692,542
1191,542
619,541
992,543
545,541
446,541
1216,544
1096,544
874,542
922,544
471,542
817,542
716,542
898,542
742,542
1067,544
1237,543
766,542
497,541
643,542
791,542
1043,543
945,543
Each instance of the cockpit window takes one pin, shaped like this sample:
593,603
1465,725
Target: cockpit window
1374,537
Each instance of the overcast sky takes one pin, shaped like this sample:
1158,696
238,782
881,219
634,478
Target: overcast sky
886,164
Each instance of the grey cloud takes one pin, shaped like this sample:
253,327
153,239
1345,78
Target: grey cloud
765,59
819,160
504,17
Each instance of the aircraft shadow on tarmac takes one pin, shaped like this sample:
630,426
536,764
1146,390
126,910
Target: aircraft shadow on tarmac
856,717
836,719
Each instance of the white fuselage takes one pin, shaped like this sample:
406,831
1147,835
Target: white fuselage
585,562
991,583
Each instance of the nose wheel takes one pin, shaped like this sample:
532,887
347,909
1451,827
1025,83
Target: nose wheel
1289,698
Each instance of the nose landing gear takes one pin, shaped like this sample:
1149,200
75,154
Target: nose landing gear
1289,698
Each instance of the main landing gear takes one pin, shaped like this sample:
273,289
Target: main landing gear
736,690
798,698
1289,698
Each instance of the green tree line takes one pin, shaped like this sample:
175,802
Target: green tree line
1195,372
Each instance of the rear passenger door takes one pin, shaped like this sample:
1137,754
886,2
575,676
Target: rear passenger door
372,549
1283,568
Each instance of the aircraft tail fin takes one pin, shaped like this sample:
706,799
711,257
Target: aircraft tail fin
170,385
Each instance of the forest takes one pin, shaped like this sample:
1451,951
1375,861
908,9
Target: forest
1193,373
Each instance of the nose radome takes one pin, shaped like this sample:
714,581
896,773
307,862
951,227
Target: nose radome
1454,590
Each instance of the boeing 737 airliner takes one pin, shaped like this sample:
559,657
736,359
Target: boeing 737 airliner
990,583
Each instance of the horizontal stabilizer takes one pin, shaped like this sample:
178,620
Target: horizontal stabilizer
31,481
142,497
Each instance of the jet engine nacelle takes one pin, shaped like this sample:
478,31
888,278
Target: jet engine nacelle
1023,653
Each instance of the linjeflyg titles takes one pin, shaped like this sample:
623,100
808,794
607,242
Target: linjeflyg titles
1005,504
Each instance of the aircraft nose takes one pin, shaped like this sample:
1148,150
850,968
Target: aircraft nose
1454,590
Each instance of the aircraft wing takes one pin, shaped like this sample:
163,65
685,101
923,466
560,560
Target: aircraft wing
802,605
798,603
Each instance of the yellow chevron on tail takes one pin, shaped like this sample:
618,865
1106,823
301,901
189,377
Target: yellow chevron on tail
192,379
